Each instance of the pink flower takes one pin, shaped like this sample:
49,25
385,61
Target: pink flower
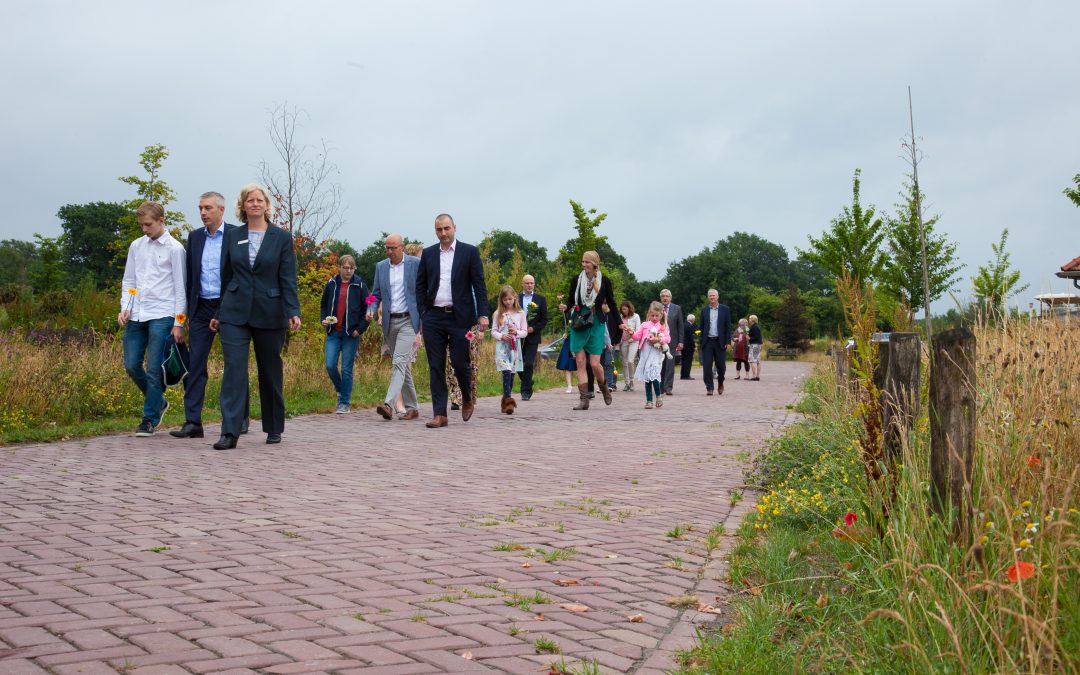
470,336
371,300
850,519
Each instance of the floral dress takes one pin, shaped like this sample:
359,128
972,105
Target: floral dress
508,356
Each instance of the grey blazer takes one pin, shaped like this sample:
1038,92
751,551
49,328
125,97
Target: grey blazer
381,287
675,321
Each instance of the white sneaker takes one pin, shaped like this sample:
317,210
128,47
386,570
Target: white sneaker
342,409
569,390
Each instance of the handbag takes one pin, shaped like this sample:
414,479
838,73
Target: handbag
581,317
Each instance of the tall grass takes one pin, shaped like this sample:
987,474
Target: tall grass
819,596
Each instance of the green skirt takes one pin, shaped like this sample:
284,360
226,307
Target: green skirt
589,339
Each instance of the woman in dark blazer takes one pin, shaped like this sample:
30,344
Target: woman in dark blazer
590,292
259,303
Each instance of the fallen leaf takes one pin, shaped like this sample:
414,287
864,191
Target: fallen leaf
728,627
540,617
467,656
755,590
518,547
571,607
648,461
822,599
708,609
792,555
635,618
849,566
526,565
566,582
611,555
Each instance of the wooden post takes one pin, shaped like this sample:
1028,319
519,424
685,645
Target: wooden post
952,426
899,393
840,354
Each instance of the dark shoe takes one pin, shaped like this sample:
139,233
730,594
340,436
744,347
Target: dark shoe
708,392
592,395
437,422
245,425
455,406
144,429
526,397
720,389
189,430
384,410
739,377
226,442
272,439
667,392
467,408
583,395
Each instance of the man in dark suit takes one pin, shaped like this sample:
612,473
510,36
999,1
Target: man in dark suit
675,328
715,341
451,297
203,265
537,318
688,347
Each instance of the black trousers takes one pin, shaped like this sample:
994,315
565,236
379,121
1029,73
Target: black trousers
440,331
687,362
528,355
268,343
713,352
200,342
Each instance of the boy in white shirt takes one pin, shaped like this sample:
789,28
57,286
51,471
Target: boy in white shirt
152,304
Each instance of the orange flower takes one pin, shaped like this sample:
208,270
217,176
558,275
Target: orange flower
1020,570
1033,462
132,291
181,318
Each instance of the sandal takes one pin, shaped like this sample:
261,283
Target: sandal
659,402
648,405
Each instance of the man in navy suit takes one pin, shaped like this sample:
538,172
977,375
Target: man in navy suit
537,319
395,289
451,297
715,341
203,298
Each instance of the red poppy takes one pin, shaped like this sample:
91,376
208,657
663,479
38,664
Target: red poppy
1020,570
1034,462
850,519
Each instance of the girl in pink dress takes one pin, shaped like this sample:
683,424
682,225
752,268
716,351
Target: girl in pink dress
651,335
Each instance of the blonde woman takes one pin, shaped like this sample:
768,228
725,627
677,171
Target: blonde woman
592,298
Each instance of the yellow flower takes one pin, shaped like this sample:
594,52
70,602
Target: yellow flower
181,318
1024,543
1026,504
984,539
132,291
990,525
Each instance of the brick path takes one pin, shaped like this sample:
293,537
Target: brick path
360,545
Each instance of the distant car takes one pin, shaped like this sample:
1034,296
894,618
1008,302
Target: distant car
551,350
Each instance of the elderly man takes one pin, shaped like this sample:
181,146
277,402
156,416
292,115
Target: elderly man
451,297
675,321
715,341
688,347
536,313
394,289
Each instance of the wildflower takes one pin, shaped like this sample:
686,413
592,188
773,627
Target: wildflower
132,291
1032,528
850,519
181,318
1020,570
1022,545
1072,510
1033,462
331,320
371,300
1026,504
984,539
470,336
989,524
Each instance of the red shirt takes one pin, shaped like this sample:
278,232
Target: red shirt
342,304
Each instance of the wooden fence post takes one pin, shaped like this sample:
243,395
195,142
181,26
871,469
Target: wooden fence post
952,426
840,354
899,393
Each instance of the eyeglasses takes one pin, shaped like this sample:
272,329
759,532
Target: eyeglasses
347,267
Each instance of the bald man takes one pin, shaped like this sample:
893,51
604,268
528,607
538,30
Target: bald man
536,312
395,291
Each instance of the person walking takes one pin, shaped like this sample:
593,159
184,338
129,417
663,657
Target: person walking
688,347
673,317
754,356
344,310
628,346
258,306
593,298
650,335
715,341
508,328
394,291
536,312
740,350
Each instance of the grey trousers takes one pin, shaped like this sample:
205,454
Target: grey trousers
399,339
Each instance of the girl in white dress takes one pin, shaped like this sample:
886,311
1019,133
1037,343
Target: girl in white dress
509,327
650,336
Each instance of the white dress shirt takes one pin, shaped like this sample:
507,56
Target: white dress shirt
155,269
444,297
713,332
398,303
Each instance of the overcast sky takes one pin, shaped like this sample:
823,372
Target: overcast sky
684,121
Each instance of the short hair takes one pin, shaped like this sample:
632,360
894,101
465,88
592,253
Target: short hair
216,196
414,249
247,190
346,259
713,290
626,304
753,318
529,276
445,216
665,290
152,209
690,317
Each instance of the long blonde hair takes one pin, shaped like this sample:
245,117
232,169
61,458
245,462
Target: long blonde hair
655,306
496,319
594,258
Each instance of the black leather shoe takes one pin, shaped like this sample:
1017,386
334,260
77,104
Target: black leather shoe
189,430
455,406
526,397
245,425
271,439
226,442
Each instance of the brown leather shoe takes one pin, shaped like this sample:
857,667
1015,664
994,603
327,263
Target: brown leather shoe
437,422
720,389
467,408
386,411
409,415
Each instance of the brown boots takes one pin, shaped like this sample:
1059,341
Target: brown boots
602,386
508,405
583,392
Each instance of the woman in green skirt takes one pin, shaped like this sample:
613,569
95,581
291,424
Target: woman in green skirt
591,298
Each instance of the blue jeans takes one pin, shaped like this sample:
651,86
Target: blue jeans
340,344
146,340
607,359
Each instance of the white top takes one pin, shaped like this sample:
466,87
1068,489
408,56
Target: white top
444,297
634,322
713,332
155,269
397,302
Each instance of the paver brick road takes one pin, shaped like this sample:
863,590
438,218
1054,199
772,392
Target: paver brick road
361,545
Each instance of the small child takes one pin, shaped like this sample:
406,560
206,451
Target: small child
652,335
509,327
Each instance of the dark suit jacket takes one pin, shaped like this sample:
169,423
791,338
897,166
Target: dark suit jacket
263,295
688,336
469,294
723,323
196,243
675,321
539,320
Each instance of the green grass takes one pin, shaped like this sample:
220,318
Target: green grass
156,549
557,554
546,646
525,602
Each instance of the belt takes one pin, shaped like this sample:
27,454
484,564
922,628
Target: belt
211,301
449,309
398,315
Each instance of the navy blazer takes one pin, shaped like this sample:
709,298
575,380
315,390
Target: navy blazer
262,295
723,323
540,317
196,243
381,288
469,293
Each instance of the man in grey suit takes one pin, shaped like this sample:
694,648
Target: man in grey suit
394,289
675,323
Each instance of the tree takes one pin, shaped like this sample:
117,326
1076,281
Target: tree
48,274
17,260
996,280
505,245
903,278
791,323
308,199
89,231
152,188
761,262
853,242
1073,193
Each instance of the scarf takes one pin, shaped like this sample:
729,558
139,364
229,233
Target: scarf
586,291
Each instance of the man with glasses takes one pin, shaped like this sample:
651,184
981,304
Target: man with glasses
395,291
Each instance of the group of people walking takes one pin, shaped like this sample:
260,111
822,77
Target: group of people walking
240,282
